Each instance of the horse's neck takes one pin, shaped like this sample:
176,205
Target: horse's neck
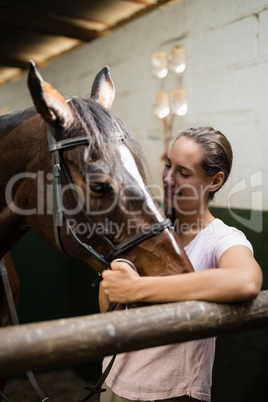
20,155
20,150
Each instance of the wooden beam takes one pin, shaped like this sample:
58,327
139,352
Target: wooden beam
15,62
75,340
71,26
49,25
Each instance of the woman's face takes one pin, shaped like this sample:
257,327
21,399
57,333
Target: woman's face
186,185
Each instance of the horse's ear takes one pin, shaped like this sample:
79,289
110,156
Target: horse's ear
103,90
47,100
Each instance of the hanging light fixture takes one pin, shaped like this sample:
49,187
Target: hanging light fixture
161,105
169,105
177,61
159,64
178,102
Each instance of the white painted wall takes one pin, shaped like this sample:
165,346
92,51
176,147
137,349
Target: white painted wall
226,80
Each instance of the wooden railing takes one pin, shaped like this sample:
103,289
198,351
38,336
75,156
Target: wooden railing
75,340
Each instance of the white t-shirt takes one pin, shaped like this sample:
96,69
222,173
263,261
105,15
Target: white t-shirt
182,369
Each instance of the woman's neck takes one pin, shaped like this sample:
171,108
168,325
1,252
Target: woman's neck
188,226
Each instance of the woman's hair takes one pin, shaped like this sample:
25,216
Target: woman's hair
218,154
217,151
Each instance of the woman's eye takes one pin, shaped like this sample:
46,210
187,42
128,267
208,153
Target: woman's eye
99,188
184,174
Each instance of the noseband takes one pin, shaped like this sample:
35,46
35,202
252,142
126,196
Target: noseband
59,214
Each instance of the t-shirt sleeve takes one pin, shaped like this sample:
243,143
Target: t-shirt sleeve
232,237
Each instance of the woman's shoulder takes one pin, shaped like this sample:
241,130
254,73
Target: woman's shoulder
207,247
224,236
218,228
217,233
221,227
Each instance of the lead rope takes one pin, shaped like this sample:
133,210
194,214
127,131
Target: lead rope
4,397
97,388
15,321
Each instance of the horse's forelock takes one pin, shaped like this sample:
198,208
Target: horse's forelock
104,130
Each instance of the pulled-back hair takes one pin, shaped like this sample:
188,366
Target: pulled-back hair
218,154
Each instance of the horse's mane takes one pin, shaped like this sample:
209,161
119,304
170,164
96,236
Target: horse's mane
103,128
11,120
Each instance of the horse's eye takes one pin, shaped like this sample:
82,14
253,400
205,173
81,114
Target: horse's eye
99,188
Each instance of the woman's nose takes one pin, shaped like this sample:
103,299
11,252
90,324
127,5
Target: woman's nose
168,178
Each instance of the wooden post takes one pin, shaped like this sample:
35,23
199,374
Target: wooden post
75,340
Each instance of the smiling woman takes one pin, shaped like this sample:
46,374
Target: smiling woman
197,166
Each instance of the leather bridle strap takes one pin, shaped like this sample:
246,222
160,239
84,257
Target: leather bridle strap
153,230
59,214
97,389
4,397
15,321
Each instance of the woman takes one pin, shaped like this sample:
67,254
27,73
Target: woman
197,166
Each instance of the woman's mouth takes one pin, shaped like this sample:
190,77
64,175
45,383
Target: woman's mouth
172,194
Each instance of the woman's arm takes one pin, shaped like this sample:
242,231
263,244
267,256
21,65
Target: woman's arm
238,278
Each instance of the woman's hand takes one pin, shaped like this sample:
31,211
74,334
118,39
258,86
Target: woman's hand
120,283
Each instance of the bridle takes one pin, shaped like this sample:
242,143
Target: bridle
59,213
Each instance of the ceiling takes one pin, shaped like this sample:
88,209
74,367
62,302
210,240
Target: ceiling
43,30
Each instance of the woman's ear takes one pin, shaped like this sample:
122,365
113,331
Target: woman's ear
217,182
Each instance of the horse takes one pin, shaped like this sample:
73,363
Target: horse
99,173
73,171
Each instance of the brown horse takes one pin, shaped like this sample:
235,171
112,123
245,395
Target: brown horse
92,193
73,171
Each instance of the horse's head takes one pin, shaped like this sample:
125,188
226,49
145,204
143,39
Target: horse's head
101,202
